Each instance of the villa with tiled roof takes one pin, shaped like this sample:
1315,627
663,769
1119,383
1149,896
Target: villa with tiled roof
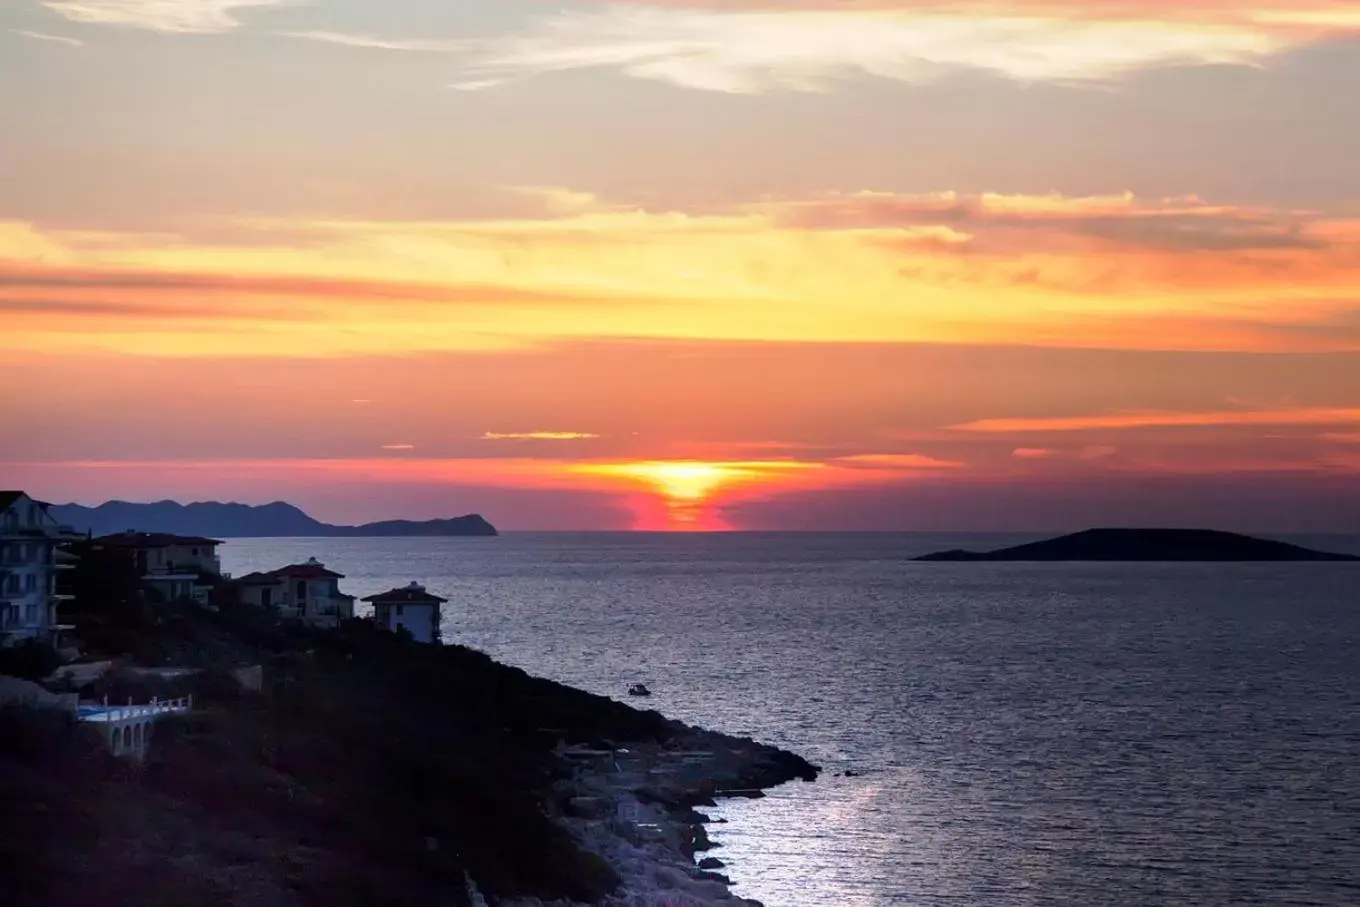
410,609
307,592
176,566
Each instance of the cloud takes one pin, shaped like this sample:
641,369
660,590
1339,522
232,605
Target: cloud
398,447
28,278
1109,271
171,16
124,308
762,47
44,36
1186,224
1332,13
1090,452
1123,421
558,201
539,436
895,462
373,42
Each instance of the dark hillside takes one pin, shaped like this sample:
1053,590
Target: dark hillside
370,770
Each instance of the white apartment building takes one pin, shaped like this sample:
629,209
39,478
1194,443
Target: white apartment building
29,562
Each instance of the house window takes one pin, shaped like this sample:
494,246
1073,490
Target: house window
31,583
399,610
302,590
12,584
30,614
194,552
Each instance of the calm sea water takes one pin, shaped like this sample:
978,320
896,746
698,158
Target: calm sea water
1022,734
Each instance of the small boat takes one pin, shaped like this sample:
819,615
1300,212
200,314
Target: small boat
639,689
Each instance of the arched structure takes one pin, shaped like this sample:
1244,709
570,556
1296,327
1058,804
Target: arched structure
127,729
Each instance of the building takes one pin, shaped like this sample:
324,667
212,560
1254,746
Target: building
306,592
29,561
176,566
409,608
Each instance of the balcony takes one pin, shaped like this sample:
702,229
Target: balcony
204,567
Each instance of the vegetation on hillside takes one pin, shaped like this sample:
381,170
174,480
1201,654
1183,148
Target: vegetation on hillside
370,770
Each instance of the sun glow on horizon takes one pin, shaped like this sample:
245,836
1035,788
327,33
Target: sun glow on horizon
687,488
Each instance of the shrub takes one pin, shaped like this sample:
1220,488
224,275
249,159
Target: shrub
30,659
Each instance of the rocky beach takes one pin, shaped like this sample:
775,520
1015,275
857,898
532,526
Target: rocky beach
637,807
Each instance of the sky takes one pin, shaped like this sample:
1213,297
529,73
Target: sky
687,264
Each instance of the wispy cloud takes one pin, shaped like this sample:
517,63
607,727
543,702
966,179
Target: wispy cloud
172,16
1111,271
1187,223
755,48
1090,452
539,436
398,447
44,36
1121,421
375,42
896,462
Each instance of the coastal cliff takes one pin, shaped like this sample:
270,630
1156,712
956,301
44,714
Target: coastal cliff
368,770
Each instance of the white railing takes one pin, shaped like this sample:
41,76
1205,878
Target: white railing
127,729
131,712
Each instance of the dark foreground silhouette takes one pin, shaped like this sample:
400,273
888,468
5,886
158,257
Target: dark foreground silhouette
1147,545
369,770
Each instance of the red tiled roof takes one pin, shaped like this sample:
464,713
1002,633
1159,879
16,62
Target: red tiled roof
409,595
153,540
307,571
293,571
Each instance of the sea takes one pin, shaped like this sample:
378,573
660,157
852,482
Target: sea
993,735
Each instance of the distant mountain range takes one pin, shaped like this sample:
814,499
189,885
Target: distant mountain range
275,520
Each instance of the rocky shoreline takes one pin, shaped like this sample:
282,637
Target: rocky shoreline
636,807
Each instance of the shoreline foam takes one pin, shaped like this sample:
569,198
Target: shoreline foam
635,807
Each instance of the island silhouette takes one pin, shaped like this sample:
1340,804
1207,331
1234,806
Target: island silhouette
1147,545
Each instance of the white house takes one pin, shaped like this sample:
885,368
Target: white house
409,608
177,566
307,592
29,562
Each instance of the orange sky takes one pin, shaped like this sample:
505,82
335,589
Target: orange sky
687,265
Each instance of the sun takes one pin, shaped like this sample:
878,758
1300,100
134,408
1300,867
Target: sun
687,488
